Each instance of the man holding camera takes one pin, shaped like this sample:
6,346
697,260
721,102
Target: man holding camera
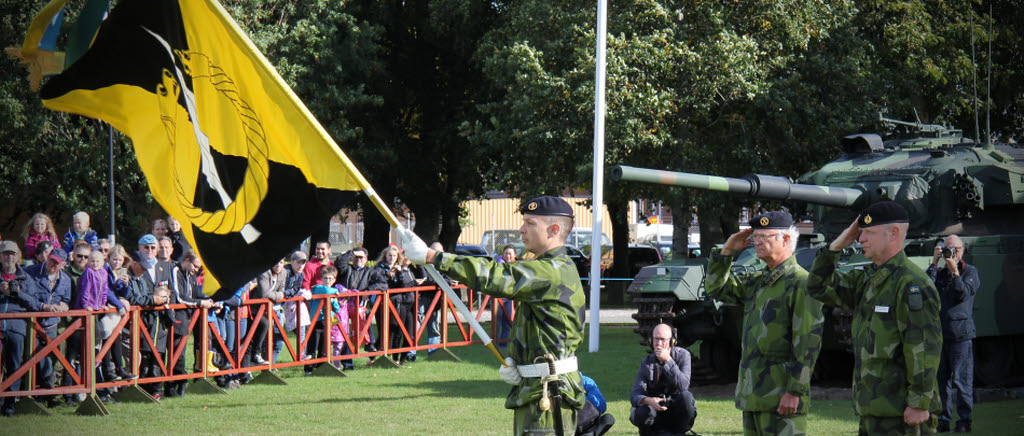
16,295
957,282
661,398
781,326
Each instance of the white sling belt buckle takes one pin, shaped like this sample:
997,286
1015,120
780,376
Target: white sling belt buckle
538,370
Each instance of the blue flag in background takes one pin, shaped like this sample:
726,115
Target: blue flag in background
49,41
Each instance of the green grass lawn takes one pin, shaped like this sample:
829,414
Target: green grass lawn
427,398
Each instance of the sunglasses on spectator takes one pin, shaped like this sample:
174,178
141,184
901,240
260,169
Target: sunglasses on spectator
149,247
81,256
105,250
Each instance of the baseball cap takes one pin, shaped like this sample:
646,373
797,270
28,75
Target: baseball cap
9,246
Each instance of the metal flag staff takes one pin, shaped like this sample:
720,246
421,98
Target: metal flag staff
441,282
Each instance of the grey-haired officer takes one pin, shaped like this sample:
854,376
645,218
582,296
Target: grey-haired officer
549,302
896,333
781,326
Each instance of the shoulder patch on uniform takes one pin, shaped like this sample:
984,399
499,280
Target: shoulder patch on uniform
915,300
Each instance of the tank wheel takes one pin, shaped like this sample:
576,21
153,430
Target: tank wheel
993,358
723,358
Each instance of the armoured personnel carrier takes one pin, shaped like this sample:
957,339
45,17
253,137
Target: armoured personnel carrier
948,183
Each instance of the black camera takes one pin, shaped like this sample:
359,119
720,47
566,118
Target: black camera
11,286
947,252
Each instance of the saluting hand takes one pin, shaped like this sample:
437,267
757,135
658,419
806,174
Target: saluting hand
736,242
847,238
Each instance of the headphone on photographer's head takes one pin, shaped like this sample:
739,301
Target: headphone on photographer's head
671,342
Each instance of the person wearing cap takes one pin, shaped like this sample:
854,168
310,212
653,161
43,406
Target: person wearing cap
549,320
53,291
355,275
781,325
896,332
147,274
17,294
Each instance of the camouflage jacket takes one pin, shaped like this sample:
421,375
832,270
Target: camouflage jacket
897,337
781,331
549,302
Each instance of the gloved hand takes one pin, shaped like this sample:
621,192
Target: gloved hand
510,374
415,248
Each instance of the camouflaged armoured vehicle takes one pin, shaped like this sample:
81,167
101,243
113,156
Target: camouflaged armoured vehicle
948,183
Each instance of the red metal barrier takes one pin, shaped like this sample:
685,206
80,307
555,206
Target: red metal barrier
84,322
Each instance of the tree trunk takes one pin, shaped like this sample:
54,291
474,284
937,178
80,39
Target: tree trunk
682,213
449,225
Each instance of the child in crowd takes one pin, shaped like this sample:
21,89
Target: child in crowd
117,282
80,231
39,229
315,346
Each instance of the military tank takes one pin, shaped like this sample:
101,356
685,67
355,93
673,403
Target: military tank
948,183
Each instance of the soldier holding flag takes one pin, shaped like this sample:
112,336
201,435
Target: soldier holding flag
548,328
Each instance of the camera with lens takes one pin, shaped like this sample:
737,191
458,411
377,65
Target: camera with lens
947,252
10,286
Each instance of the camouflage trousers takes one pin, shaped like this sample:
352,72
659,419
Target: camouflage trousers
894,426
773,424
530,420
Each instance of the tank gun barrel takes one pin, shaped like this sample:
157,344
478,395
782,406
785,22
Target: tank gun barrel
753,185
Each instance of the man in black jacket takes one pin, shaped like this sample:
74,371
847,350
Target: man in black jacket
353,274
957,282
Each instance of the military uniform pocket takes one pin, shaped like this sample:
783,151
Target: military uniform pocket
884,335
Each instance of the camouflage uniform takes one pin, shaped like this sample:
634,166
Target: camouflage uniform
781,341
549,312
896,338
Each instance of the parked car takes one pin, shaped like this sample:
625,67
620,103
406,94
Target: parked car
581,260
471,250
640,255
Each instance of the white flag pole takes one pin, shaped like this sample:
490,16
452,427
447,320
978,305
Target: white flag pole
598,183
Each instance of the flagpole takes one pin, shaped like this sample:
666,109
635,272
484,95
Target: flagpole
110,180
598,178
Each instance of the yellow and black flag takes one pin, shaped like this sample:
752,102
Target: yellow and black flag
226,146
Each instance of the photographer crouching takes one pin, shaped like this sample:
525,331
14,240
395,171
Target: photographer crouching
661,398
957,282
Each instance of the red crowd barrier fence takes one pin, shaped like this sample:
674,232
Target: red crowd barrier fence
164,361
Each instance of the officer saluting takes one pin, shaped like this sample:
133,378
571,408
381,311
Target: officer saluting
896,332
781,326
549,312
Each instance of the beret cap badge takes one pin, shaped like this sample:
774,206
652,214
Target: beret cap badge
764,221
532,205
867,219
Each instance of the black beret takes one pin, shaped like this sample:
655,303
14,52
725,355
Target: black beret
772,220
883,212
548,206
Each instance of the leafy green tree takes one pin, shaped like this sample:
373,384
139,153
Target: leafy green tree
57,163
676,71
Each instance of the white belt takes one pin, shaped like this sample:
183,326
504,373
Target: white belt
539,370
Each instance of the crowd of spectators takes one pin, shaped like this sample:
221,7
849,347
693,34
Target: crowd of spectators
47,273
